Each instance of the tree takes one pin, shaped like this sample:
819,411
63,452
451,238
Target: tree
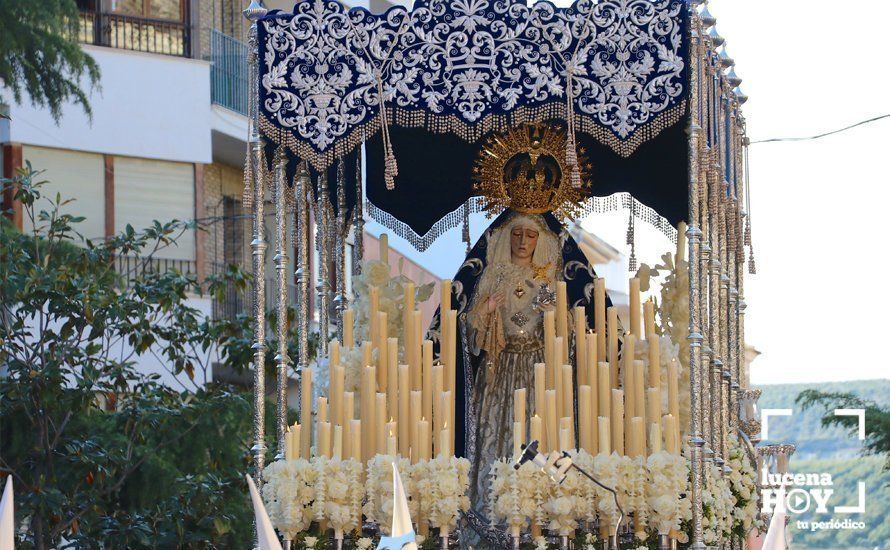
104,455
40,56
877,418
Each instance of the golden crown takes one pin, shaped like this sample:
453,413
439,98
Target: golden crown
525,170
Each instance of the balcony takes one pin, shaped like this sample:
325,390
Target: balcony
129,32
228,72
132,268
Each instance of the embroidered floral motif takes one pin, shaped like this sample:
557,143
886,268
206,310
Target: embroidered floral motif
467,62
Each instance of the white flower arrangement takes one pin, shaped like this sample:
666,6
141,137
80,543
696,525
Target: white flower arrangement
339,493
668,477
632,487
606,470
718,504
378,488
504,500
743,485
289,492
443,482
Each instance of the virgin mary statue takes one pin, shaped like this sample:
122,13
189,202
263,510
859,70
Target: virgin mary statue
501,291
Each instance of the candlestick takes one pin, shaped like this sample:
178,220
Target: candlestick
384,248
585,426
580,344
612,314
562,317
306,410
634,295
649,317
338,443
349,328
605,389
599,317
404,410
423,436
617,421
605,435
323,441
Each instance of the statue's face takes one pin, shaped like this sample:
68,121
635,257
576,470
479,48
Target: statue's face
523,241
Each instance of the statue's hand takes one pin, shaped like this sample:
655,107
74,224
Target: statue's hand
495,301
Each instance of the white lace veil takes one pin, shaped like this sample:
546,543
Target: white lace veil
546,250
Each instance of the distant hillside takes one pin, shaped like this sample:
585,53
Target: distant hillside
804,428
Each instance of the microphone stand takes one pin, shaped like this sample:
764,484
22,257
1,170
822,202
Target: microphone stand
557,465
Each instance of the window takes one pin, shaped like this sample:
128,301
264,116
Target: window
155,9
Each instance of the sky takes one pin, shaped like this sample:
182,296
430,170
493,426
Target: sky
817,309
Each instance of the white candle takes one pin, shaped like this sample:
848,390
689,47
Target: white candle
306,410
681,243
349,328
584,423
617,421
654,438
427,379
562,316
380,424
605,432
423,436
404,410
599,317
549,337
392,377
580,344
605,389
355,447
323,442
635,307
338,443
445,299
612,314
517,440
384,248
537,429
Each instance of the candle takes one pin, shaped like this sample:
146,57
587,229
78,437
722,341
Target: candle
391,441
605,389
584,424
552,420
517,440
305,410
638,437
681,243
323,441
380,424
368,404
654,362
416,414
367,350
670,428
612,313
338,443
384,248
297,434
537,429
334,352
427,378
438,386
519,399
444,441
373,307
605,432
599,317
348,416
445,300
580,344
628,382
288,444
549,336
349,328
355,447
540,387
649,317
423,437
654,438
338,376
568,392
673,389
322,409
416,353
408,305
564,440
450,366
392,377
448,413
617,421
635,307
404,410
562,316
590,357
557,371
653,404
382,352
639,392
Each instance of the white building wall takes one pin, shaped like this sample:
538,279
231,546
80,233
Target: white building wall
147,106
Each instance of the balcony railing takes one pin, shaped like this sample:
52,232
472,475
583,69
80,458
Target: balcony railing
131,268
128,32
228,72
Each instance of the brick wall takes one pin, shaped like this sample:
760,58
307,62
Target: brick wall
220,181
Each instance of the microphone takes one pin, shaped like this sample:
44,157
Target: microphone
556,465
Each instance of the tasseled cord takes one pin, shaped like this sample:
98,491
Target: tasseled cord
390,167
247,194
571,142
632,261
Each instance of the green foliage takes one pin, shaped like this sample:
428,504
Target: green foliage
103,455
40,56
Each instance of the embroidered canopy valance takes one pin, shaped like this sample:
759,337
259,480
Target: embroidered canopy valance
469,67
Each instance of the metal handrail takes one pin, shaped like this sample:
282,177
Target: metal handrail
228,72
